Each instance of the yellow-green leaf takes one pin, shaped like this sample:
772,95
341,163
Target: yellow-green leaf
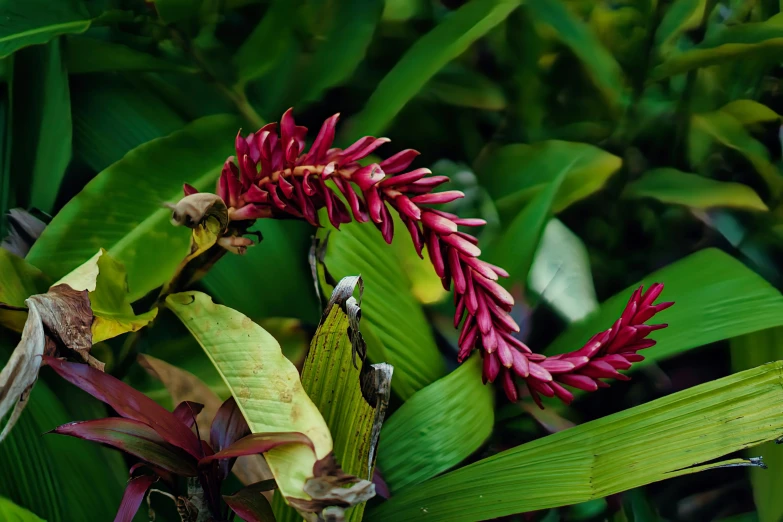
750,112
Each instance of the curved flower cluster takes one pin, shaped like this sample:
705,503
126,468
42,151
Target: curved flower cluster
274,176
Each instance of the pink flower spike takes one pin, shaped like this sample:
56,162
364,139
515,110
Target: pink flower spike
463,246
404,179
399,161
189,189
439,224
438,198
491,367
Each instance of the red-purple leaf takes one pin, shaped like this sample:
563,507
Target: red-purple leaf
228,427
250,504
128,402
135,438
186,411
258,443
134,493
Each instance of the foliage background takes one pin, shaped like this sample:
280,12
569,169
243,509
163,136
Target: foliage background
658,120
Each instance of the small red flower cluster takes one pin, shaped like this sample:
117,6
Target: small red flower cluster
273,176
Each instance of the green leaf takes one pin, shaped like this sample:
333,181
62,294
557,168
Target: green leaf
171,11
266,46
662,439
561,273
680,17
716,296
599,62
352,402
720,127
121,209
514,174
42,130
34,22
749,112
437,428
112,116
19,280
90,55
755,39
264,383
390,312
465,87
515,247
10,512
107,282
748,351
423,60
682,188
60,478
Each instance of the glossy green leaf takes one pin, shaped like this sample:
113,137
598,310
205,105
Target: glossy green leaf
720,127
34,22
264,383
122,210
42,130
716,297
91,55
112,115
513,174
465,87
683,188
453,36
561,273
390,312
10,512
730,43
665,438
750,112
748,351
19,280
679,17
267,45
599,62
437,428
515,248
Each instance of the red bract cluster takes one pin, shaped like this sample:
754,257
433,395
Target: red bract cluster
274,176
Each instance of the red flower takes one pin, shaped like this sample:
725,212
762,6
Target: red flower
273,176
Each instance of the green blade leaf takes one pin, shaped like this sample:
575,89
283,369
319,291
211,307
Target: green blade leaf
352,401
391,313
10,512
599,62
730,43
748,351
34,22
682,188
264,383
665,438
437,428
749,112
513,174
129,195
423,60
680,16
42,131
90,55
19,280
716,297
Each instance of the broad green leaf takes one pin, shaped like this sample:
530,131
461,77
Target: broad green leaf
716,297
10,512
749,112
278,265
122,210
513,174
42,131
683,188
561,273
111,116
33,22
390,312
665,438
755,39
428,55
171,11
266,46
720,127
680,17
59,478
465,87
19,280
264,383
748,351
515,247
105,278
437,428
90,55
352,401
599,62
